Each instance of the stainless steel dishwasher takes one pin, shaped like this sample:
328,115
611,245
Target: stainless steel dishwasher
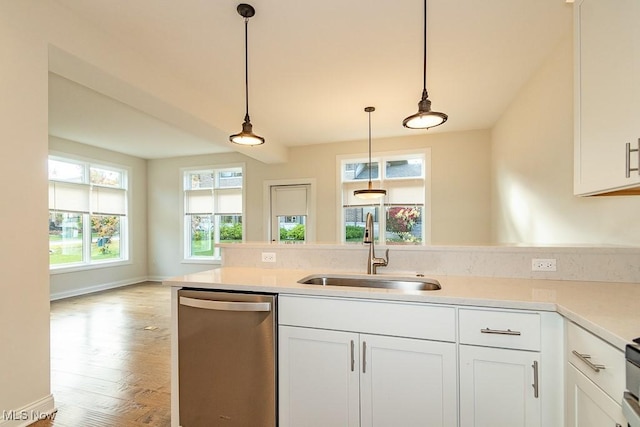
227,358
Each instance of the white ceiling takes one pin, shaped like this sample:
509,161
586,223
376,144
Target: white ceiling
313,67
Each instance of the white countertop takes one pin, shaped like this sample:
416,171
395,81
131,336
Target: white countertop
609,310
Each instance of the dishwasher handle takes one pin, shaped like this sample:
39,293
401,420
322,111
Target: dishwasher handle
225,305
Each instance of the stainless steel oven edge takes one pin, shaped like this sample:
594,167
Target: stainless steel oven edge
630,405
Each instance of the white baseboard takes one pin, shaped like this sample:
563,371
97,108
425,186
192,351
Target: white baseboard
158,278
43,409
95,288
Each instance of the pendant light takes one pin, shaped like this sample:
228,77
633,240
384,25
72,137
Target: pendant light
370,192
246,137
424,118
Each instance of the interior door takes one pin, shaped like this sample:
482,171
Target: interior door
290,213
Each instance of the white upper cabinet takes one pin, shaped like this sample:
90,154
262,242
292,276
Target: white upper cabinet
607,96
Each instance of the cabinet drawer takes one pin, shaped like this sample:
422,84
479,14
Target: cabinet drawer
369,316
596,352
505,329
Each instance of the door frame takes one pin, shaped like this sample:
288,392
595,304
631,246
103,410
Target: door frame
266,205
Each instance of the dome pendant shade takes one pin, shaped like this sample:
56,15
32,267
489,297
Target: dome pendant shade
370,192
424,118
246,137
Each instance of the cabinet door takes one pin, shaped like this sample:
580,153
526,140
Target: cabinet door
496,387
318,378
587,405
407,382
607,93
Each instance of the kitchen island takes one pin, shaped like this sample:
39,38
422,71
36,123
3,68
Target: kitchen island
438,328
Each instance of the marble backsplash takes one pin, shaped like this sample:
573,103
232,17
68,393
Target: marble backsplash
572,263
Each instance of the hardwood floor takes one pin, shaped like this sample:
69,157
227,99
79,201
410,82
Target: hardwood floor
110,358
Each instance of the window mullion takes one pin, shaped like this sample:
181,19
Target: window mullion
382,223
86,238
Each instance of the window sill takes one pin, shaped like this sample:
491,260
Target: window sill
86,267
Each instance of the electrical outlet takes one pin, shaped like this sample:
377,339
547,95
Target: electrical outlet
268,257
543,264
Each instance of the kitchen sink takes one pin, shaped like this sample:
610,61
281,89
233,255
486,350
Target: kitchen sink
406,284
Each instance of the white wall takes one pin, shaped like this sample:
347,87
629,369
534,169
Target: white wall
31,31
165,252
24,305
460,183
460,175
532,163
79,282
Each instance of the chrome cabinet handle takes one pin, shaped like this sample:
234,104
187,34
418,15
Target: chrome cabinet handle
364,357
628,151
499,331
585,358
536,391
353,357
225,305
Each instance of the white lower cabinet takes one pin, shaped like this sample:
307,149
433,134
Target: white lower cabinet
595,380
407,382
587,405
352,362
497,387
510,368
335,378
318,378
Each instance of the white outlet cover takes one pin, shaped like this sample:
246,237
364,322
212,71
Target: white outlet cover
268,257
543,264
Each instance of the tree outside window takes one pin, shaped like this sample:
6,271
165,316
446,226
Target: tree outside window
403,224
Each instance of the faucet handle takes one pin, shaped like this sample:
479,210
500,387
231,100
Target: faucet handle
382,262
379,262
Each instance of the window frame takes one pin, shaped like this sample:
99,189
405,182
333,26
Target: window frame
185,243
381,205
124,220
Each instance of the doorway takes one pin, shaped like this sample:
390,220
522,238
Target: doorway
291,211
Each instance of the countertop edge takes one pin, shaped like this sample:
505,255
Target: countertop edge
570,301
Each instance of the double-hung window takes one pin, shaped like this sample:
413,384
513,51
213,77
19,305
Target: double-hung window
87,213
213,210
400,217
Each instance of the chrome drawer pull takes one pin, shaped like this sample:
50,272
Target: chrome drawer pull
364,357
585,358
499,331
536,388
353,358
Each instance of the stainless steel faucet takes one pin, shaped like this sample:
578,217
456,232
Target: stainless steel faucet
372,262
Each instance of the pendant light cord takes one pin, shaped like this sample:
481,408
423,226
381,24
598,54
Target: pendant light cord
369,147
424,62
246,68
